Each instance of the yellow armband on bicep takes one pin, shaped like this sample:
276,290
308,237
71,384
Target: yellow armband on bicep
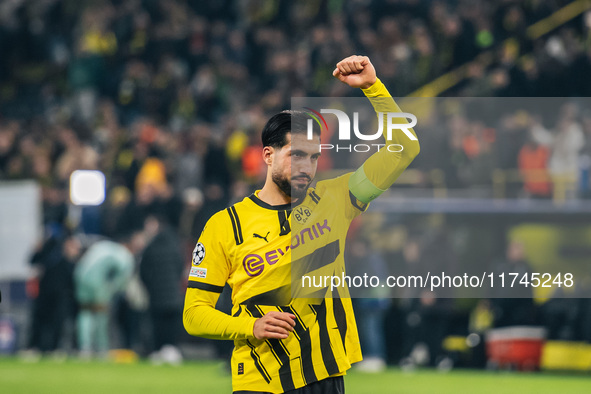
362,188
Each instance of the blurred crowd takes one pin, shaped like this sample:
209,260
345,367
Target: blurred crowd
417,326
538,148
168,98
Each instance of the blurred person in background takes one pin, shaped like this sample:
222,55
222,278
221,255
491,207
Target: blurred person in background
54,199
569,140
53,292
102,272
565,319
162,270
371,308
585,160
514,306
130,312
533,166
480,320
153,195
427,314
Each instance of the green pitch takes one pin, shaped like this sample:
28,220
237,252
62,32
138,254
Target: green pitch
209,378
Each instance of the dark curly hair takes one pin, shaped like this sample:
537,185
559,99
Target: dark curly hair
285,122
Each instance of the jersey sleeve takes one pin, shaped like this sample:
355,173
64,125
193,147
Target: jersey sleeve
210,270
338,189
201,319
382,169
210,265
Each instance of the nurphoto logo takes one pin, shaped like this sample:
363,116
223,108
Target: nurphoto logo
344,129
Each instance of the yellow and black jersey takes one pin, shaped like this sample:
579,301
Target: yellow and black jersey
250,246
262,251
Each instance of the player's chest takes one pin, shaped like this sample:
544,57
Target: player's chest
270,238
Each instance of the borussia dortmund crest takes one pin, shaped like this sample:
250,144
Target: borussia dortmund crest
301,214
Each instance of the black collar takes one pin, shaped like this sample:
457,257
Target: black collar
263,204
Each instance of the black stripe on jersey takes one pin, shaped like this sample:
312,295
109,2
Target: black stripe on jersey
233,208
315,197
278,296
356,203
303,335
285,375
257,362
317,259
235,225
257,311
284,348
205,286
325,347
284,226
291,310
340,318
279,351
273,352
237,313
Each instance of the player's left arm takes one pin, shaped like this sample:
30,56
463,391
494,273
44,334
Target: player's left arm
382,169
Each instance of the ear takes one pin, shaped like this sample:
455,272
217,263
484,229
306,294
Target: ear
268,154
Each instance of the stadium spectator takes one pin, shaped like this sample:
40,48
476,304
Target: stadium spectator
53,302
102,272
514,306
371,307
568,142
161,269
427,314
533,165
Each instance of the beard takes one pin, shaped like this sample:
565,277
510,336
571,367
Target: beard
295,191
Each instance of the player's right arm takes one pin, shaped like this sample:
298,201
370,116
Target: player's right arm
210,270
202,319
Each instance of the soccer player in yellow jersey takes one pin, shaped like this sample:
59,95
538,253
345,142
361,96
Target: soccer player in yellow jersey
285,343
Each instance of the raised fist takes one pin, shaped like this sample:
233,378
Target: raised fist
356,71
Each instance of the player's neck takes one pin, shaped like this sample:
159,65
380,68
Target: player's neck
272,195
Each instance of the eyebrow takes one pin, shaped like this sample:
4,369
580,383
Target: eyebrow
299,151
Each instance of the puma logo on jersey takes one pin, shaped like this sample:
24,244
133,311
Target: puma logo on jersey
255,235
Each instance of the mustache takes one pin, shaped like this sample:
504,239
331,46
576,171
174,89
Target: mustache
306,177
